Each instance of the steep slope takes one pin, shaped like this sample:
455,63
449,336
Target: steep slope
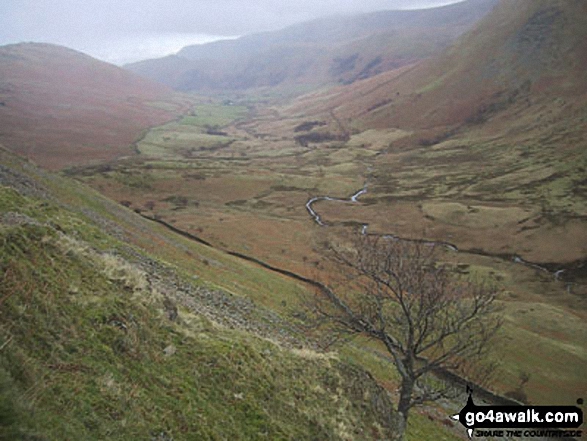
335,49
522,55
60,107
101,339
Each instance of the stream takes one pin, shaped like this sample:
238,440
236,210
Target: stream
451,247
316,216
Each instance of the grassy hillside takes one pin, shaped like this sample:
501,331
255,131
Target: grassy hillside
115,327
339,49
100,339
522,56
60,107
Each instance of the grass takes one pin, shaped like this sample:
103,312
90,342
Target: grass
474,190
89,349
176,141
553,339
214,115
198,132
105,361
474,216
85,337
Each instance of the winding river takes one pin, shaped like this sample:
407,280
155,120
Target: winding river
354,199
316,216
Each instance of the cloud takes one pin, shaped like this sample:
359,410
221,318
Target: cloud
224,17
93,24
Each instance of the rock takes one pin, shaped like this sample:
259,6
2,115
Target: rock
160,436
169,350
170,309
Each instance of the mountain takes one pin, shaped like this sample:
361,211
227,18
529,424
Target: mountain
60,107
523,55
339,49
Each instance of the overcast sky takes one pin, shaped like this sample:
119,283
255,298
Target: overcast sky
128,30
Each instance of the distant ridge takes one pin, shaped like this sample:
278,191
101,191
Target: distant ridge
523,55
340,49
61,107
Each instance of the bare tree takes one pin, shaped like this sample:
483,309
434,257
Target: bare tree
428,319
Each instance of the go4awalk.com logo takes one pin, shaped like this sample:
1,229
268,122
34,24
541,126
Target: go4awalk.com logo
521,421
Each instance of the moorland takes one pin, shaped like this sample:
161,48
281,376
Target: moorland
216,209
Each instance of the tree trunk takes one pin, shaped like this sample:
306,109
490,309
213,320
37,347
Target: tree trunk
399,427
403,408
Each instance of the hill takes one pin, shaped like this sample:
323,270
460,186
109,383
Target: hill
60,107
336,49
105,336
521,56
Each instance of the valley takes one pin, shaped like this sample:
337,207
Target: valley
170,230
245,189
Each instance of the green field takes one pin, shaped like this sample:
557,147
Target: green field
214,115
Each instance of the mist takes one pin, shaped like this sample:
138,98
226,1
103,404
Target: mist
123,31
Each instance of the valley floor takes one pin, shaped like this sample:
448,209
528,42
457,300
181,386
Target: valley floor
240,177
